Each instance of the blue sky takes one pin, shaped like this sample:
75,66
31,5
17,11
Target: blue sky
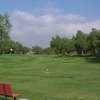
51,17
87,8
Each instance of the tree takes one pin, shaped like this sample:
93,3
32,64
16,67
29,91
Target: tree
68,45
98,43
56,44
80,42
5,26
6,44
37,49
48,50
93,41
62,45
18,48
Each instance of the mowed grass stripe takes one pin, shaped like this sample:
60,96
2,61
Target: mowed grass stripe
67,78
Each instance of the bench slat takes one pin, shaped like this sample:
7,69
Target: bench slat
1,89
6,90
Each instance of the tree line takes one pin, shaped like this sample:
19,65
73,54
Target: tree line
6,44
82,43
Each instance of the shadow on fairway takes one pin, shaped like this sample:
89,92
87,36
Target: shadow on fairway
93,59
58,77
57,56
55,77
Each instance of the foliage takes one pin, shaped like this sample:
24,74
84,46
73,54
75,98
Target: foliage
48,50
80,41
61,45
5,26
6,44
57,44
93,41
37,49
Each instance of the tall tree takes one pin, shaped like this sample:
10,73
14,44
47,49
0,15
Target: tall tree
80,42
98,43
62,45
93,41
37,49
56,44
5,26
6,44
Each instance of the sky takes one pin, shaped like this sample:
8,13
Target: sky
35,22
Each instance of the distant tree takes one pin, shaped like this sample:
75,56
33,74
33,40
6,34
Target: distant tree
62,46
68,45
6,44
18,48
48,50
80,41
37,49
5,26
93,41
98,43
56,44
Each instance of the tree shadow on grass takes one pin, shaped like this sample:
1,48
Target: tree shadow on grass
93,59
55,76
69,55
88,58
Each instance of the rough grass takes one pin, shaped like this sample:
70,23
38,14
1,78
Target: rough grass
67,78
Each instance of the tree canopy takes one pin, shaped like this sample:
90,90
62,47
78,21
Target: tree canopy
82,43
6,44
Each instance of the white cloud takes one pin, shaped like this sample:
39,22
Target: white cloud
30,29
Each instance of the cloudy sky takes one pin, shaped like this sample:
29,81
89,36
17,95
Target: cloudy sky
35,22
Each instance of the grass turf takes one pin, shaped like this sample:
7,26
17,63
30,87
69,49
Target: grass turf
67,78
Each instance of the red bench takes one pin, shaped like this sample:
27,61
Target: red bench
6,91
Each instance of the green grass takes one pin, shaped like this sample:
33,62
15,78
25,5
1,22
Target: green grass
67,78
